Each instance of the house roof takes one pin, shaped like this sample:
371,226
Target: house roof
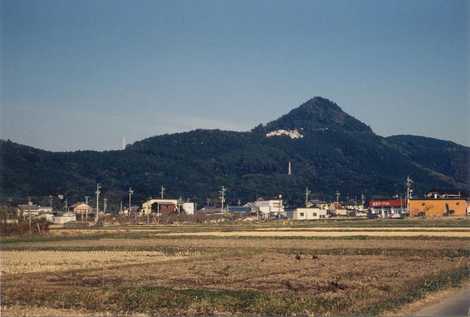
78,204
239,209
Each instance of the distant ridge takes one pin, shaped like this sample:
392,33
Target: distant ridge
329,150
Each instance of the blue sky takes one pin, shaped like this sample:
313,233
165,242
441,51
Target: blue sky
83,74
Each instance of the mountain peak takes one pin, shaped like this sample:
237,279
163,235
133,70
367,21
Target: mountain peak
317,114
320,102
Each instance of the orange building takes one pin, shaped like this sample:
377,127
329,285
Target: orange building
437,207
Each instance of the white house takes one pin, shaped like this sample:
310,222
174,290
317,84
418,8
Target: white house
188,208
310,214
268,208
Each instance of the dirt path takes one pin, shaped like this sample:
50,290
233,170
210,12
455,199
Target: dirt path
450,302
456,304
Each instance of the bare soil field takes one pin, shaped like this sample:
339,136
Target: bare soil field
166,273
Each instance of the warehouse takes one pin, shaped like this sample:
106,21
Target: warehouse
437,208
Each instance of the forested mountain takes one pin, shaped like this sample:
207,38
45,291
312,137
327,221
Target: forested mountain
329,150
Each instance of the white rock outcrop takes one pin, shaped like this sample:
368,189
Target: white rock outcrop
293,134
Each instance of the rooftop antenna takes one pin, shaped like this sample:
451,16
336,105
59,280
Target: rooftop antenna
289,168
162,192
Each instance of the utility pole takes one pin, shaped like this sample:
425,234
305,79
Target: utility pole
307,193
222,198
30,216
98,192
179,204
105,205
401,203
409,190
162,192
131,192
86,210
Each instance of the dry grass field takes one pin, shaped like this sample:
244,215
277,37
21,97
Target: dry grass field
18,262
201,270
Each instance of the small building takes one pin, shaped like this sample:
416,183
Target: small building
35,210
437,207
310,214
134,211
49,217
160,206
343,212
387,208
167,206
65,218
82,208
338,210
272,208
188,208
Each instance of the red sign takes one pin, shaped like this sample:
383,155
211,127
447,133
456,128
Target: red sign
387,203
